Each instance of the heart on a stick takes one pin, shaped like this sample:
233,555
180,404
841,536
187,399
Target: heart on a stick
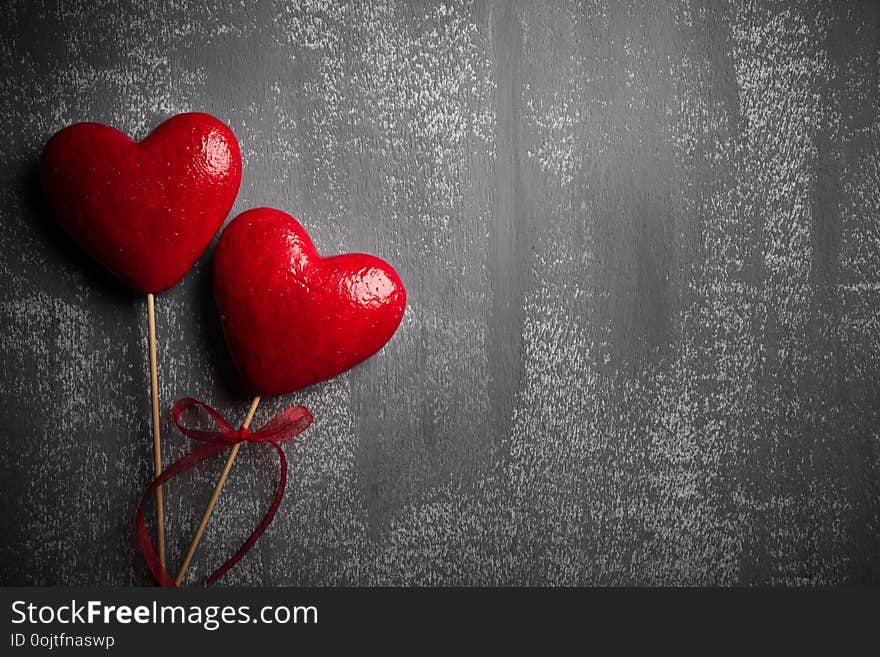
145,210
291,317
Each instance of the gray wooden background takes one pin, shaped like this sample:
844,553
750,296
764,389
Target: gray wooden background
641,242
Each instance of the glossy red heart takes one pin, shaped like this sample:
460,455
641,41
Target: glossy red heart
292,318
145,210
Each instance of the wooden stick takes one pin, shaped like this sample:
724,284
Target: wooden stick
157,438
217,488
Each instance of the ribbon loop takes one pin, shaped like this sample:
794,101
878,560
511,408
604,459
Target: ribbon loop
285,425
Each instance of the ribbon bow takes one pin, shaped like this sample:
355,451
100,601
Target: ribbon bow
287,424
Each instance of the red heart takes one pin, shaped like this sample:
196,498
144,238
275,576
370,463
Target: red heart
291,317
145,210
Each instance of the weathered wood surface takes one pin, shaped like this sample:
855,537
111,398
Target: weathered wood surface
642,248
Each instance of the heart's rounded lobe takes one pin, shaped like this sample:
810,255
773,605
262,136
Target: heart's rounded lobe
292,318
145,210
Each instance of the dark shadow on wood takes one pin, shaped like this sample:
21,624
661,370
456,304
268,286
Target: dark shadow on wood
509,241
61,246
223,371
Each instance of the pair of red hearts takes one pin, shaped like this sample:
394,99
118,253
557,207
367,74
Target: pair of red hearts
147,211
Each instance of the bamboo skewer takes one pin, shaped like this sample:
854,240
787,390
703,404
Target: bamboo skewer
157,437
206,515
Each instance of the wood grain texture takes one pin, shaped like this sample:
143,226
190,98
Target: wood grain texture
641,247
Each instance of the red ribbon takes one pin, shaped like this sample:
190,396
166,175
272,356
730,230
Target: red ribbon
287,424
